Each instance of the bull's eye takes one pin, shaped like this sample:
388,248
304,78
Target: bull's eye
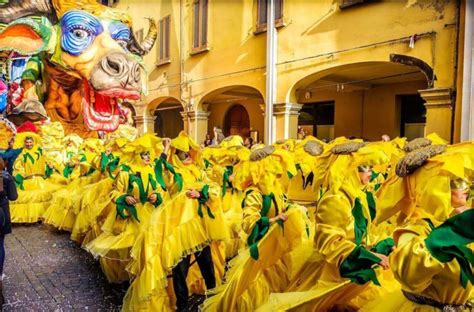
79,34
78,31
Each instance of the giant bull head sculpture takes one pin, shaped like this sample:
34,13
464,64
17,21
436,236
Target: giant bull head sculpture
89,58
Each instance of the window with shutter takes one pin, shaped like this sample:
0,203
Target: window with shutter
164,37
200,26
262,15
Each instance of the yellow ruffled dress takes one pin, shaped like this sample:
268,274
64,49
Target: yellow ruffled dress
424,198
96,203
181,227
66,203
343,232
266,265
34,191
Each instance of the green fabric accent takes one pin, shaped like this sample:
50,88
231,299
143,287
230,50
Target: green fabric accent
39,153
360,222
122,206
91,171
358,266
69,155
112,166
290,175
374,175
19,181
159,163
207,164
83,158
67,171
449,241
104,160
384,247
229,170
377,186
159,200
263,225
48,172
27,156
371,204
202,200
134,179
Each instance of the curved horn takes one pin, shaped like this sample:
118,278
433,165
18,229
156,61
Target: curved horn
15,9
142,48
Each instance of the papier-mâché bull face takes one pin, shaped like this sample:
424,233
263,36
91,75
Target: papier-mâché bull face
90,55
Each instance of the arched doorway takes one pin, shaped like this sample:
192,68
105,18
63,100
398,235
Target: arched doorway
237,121
168,120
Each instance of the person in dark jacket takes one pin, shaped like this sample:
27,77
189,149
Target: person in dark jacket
7,192
9,156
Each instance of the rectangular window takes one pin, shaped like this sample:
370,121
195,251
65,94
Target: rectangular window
164,52
200,26
262,14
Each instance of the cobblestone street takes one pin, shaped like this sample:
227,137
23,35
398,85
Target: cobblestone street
46,271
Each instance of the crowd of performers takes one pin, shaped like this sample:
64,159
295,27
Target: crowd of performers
300,225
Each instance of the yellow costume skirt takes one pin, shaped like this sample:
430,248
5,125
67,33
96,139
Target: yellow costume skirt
176,230
96,205
66,203
249,282
33,200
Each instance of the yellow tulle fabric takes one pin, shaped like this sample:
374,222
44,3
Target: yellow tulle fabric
249,282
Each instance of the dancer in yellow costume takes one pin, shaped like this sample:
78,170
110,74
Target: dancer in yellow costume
66,203
136,195
433,259
35,191
220,163
187,227
96,203
340,274
274,229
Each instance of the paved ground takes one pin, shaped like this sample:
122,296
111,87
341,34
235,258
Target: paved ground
46,271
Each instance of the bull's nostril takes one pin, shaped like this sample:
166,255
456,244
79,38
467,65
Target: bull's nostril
114,66
136,72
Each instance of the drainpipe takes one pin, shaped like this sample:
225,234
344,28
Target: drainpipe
271,72
467,110
181,65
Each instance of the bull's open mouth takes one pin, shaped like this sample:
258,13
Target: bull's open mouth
100,108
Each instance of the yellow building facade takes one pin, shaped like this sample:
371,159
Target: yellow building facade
343,67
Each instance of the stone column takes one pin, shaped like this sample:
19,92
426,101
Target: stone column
439,111
145,124
286,120
195,123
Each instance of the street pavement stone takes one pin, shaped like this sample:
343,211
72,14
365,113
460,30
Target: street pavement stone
46,271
